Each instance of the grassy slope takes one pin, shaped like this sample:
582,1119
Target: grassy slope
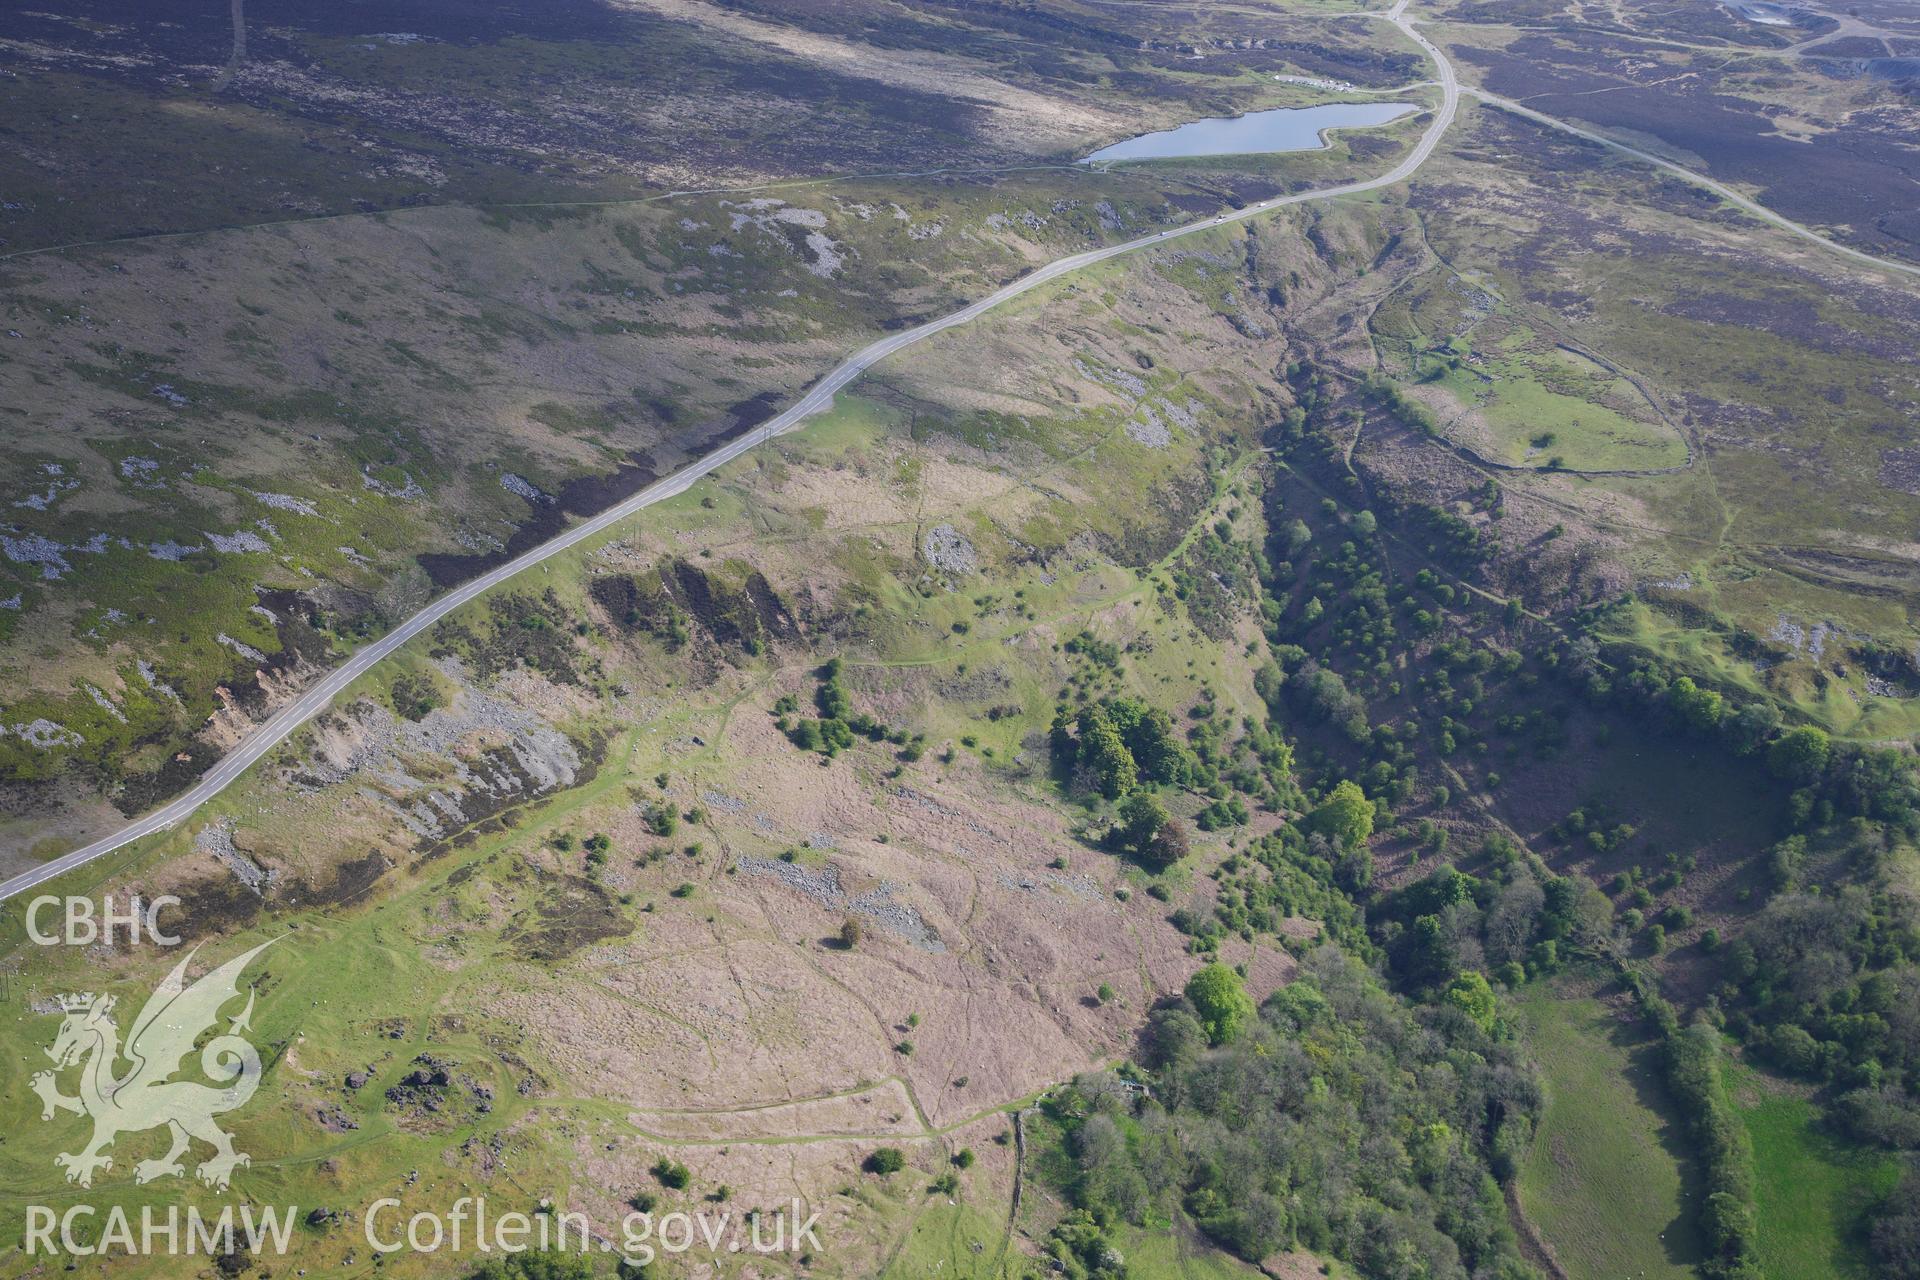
1581,1040
439,983
1779,364
553,344
1812,1191
1603,1182
1501,385
1161,1250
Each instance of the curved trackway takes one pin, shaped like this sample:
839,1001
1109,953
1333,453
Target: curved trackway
268,735
290,717
1725,192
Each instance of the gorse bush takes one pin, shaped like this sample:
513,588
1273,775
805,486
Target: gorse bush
838,724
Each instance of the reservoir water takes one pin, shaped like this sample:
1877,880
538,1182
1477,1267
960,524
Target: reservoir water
1767,15
1258,132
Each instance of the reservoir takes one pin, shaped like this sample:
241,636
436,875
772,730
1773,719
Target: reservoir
1767,15
1286,129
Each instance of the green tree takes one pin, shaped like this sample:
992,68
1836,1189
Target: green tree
662,820
1270,682
1153,741
1221,999
1748,729
1142,819
1698,709
1105,755
1168,846
1799,755
544,1265
1472,994
1142,816
1080,1249
1345,816
1429,950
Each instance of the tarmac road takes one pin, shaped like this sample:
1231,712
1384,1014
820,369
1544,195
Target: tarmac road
1725,192
290,717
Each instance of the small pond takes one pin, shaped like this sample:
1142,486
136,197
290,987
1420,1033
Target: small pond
1767,15
1286,129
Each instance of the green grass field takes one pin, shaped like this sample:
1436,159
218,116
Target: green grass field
1845,705
1176,1255
956,1239
1605,1182
1812,1191
1519,395
1549,408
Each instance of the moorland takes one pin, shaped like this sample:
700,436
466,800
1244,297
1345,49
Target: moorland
1373,739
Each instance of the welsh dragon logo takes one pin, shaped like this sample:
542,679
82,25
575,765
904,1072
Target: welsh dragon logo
147,1096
